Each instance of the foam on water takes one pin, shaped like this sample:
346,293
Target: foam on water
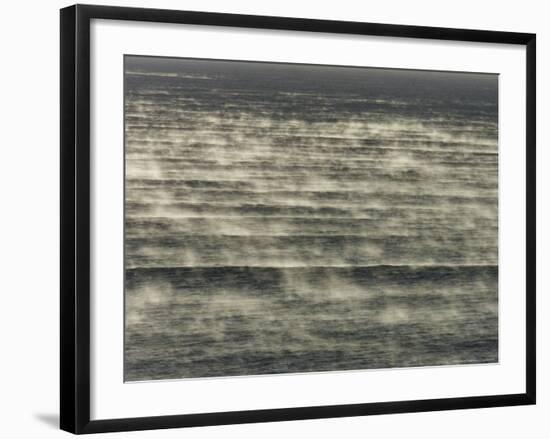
285,218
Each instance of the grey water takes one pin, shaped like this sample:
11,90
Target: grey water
284,218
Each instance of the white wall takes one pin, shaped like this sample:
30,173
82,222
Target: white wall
30,203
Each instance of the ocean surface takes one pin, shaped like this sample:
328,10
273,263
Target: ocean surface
286,218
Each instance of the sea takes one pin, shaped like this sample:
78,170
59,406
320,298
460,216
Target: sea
292,218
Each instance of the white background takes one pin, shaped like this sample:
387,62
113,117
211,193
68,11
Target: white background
111,398
29,242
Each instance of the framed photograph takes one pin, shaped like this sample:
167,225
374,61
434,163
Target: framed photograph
267,219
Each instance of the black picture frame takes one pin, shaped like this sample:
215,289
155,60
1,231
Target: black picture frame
75,217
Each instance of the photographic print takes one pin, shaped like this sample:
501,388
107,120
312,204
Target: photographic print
292,218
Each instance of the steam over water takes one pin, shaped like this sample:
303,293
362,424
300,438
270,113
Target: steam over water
290,218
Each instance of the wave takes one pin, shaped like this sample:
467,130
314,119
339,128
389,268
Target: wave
227,321
283,219
167,75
